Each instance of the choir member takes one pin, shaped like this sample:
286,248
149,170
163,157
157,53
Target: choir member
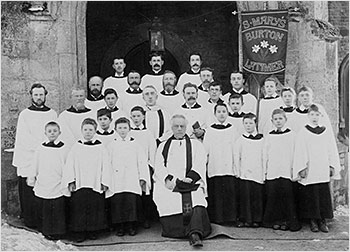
46,178
180,186
214,92
29,135
222,176
155,76
280,210
118,81
87,177
133,95
105,132
206,75
192,76
248,151
236,117
288,96
94,99
129,178
112,100
316,161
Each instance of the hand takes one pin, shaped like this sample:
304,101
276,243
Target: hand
303,173
331,171
71,186
169,184
104,188
187,180
198,132
31,181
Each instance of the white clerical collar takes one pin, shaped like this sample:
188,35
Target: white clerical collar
83,140
315,126
119,75
284,128
55,142
255,132
196,72
134,89
238,91
273,96
166,92
141,127
156,72
126,139
109,130
225,123
188,106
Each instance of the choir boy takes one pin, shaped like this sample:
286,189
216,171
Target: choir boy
104,134
129,178
46,178
113,104
148,143
315,163
222,178
280,209
248,161
267,104
236,117
86,176
288,96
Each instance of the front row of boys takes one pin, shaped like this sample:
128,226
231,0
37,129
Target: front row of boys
237,169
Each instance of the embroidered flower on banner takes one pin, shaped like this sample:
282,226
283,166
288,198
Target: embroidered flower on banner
264,44
255,48
273,49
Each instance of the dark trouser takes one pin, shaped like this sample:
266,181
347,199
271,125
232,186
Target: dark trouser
29,204
172,226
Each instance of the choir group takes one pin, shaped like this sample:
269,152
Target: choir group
267,163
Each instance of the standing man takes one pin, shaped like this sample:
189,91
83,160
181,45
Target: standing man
155,77
29,136
207,76
169,97
249,100
179,190
95,100
71,119
192,76
118,81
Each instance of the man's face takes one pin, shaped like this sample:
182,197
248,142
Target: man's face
169,82
137,117
288,98
104,122
95,86
195,62
178,127
206,77
38,96
190,95
221,114
314,117
150,96
270,88
214,92
134,80
52,132
122,129
235,105
119,65
88,131
78,98
156,63
236,80
249,125
279,120
305,98
111,100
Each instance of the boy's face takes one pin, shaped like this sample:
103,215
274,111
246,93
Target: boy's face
270,88
314,117
287,98
278,120
236,80
249,125
122,129
305,98
137,117
88,131
221,114
111,100
236,105
52,132
104,122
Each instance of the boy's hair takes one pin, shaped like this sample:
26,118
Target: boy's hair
313,107
89,121
189,84
214,84
194,53
104,112
138,108
235,96
110,91
220,104
53,123
286,89
250,116
237,72
271,78
305,89
278,112
122,120
37,85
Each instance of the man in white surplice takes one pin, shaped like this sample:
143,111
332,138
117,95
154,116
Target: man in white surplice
181,161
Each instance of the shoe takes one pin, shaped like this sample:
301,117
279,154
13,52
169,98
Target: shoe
313,226
132,231
146,224
120,232
284,227
276,227
239,224
195,240
255,225
246,224
322,224
295,227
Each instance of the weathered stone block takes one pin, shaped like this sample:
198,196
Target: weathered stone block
15,48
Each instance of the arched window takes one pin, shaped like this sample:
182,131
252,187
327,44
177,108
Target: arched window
343,88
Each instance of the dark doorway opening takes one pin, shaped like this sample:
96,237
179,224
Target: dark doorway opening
121,28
